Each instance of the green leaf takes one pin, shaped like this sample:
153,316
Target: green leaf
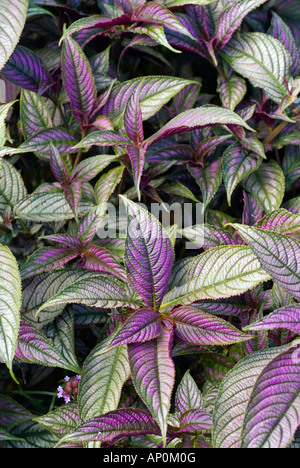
10,305
278,254
61,421
4,109
12,21
12,188
104,374
155,91
94,290
216,274
266,185
263,60
237,165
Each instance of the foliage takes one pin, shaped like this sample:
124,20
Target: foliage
108,104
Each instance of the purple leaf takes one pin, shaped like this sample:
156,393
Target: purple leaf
155,91
35,348
78,80
284,318
113,426
155,13
197,118
231,19
280,30
234,394
25,69
273,416
133,120
149,256
96,258
59,166
142,326
47,259
237,164
153,373
195,420
196,327
209,180
61,139
137,159
88,226
12,413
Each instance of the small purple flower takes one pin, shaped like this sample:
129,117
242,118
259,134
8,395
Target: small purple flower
67,378
60,392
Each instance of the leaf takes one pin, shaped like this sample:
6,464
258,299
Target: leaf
155,91
197,118
218,273
44,207
272,416
153,374
263,60
156,33
12,20
237,165
35,115
180,3
12,413
78,80
231,19
232,91
234,394
61,421
285,318
207,236
155,13
149,256
12,188
94,290
195,420
107,184
59,166
104,374
281,31
4,110
188,396
91,167
113,426
10,305
97,258
61,332
209,180
102,138
279,255
142,326
31,435
282,222
39,289
196,327
25,69
46,259
291,165
266,185
133,120
35,348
